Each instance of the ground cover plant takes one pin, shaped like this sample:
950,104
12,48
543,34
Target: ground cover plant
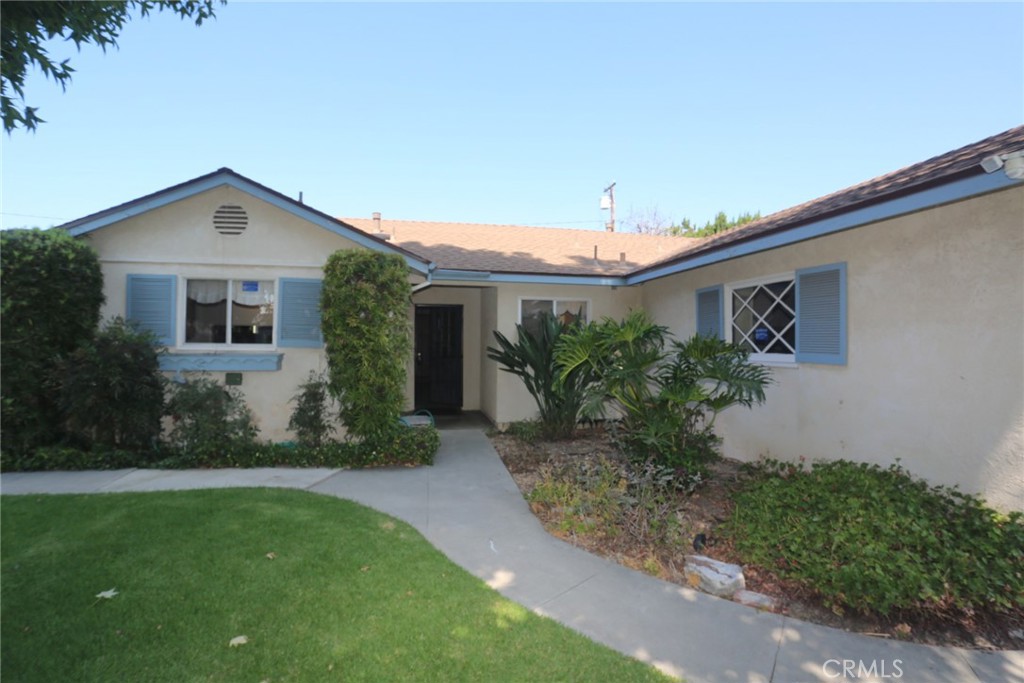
157,586
878,541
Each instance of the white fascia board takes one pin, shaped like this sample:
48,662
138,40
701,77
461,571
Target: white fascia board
918,201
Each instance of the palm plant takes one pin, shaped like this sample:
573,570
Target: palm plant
559,398
668,399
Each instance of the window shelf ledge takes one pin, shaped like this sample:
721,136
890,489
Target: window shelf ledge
221,362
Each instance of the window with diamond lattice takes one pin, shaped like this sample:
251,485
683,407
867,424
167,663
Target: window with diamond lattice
763,317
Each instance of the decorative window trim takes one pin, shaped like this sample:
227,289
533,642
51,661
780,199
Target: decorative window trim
730,287
820,314
220,362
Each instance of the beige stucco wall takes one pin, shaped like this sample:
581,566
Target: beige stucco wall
935,373
505,398
178,239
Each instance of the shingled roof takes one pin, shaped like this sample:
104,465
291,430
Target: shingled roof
526,249
944,168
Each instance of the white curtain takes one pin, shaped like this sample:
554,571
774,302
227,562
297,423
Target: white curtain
243,292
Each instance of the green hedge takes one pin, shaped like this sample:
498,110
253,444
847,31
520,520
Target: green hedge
404,447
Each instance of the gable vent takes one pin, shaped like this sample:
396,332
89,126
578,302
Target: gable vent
230,220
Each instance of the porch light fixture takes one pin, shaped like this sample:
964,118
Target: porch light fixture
1012,164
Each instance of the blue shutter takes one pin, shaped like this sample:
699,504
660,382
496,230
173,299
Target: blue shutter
821,314
151,305
711,312
299,305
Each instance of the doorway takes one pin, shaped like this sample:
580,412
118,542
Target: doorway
438,354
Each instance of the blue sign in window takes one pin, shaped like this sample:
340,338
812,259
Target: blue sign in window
761,334
250,286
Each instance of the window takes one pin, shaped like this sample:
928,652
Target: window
229,312
792,317
762,317
567,310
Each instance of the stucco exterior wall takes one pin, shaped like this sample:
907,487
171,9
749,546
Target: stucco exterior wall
935,372
178,239
511,401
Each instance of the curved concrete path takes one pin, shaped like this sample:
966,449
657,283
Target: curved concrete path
469,507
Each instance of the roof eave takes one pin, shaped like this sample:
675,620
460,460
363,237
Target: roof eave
953,188
226,176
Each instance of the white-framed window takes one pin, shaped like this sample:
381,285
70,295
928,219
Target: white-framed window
567,310
228,312
761,317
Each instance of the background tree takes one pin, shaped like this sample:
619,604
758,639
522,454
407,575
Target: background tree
652,222
365,321
720,224
51,290
25,26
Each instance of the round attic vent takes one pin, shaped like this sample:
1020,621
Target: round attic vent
230,219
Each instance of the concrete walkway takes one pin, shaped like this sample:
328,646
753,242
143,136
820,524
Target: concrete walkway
469,507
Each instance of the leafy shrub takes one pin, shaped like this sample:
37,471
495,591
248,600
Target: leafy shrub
311,419
111,389
51,290
364,304
211,423
668,398
878,541
559,399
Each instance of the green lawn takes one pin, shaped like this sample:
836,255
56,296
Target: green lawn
350,595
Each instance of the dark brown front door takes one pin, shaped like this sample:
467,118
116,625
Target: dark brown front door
439,358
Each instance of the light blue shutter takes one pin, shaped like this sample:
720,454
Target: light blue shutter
711,312
299,303
821,314
151,305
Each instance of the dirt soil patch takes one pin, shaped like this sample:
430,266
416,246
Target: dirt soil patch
704,512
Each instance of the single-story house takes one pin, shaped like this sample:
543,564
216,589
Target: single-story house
891,312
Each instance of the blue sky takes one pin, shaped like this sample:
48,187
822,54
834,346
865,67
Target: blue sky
519,113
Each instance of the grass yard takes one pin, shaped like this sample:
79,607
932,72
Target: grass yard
323,589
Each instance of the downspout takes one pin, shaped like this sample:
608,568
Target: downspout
430,279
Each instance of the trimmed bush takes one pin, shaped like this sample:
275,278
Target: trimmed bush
51,290
111,389
365,308
311,419
211,423
878,541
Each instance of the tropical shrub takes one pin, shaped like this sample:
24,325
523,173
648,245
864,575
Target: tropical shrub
311,419
364,311
667,399
210,422
111,390
51,290
878,541
559,399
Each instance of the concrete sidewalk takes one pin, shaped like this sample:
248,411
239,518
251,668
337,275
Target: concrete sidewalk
469,507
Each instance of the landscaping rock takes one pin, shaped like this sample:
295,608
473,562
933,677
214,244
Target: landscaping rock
711,576
758,600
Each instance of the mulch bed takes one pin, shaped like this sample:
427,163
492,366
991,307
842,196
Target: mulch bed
704,512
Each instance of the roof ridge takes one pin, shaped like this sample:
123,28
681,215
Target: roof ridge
513,225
